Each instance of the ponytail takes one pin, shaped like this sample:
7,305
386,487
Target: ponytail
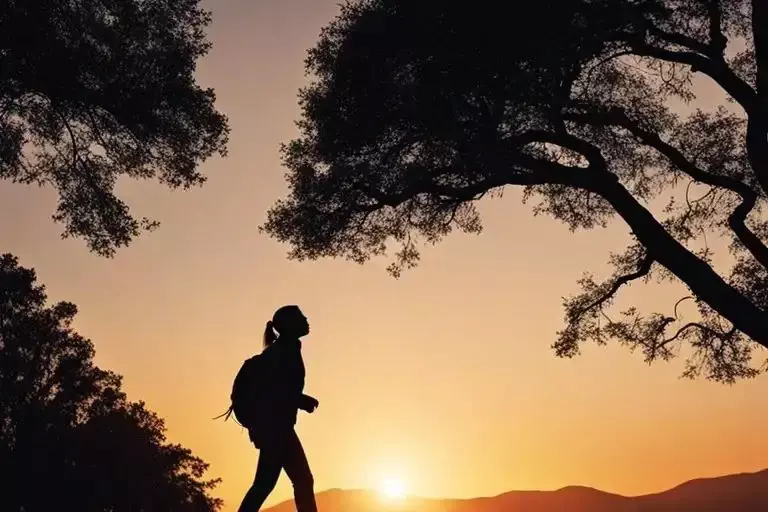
269,334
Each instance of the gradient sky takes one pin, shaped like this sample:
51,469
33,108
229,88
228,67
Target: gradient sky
444,378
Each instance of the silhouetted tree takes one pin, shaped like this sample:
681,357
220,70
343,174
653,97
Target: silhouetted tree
93,91
418,109
69,437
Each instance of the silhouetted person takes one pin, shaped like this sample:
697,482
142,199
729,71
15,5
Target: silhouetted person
275,435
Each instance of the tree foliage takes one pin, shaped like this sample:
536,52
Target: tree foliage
417,110
92,91
69,437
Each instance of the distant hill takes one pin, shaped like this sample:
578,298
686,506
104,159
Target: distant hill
745,492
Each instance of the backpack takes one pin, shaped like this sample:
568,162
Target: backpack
249,397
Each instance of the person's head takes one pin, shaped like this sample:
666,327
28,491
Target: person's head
288,321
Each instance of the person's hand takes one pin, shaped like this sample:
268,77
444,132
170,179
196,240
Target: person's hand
310,404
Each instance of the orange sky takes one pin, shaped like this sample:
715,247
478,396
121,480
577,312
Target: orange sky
444,378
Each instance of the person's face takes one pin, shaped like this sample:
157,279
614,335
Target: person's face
302,324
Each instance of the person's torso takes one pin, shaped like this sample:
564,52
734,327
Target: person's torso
288,378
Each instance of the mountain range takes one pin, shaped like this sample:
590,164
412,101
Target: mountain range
744,492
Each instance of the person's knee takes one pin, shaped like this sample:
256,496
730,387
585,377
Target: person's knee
305,481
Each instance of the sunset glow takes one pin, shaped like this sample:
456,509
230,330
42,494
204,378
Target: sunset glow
442,383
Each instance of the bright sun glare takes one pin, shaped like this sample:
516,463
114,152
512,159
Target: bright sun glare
392,488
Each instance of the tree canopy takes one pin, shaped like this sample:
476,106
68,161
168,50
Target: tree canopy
91,91
69,437
416,110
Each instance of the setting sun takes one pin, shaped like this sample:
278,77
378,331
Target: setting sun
392,488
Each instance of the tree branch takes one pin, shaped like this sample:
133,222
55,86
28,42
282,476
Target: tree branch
717,40
69,129
677,304
757,125
695,325
754,102
526,171
737,88
590,152
760,35
426,185
757,145
737,219
696,273
680,40
643,268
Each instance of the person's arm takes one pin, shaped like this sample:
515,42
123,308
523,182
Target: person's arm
308,403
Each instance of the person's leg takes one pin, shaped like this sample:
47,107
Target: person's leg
297,468
267,472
